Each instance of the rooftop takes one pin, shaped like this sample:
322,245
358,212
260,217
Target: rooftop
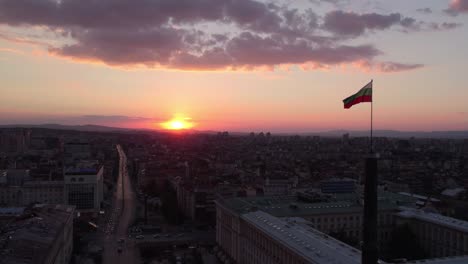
446,260
317,247
29,238
291,205
11,211
83,168
434,218
313,245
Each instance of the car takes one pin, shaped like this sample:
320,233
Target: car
140,237
155,236
119,250
121,240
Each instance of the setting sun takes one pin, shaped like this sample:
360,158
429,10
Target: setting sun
178,124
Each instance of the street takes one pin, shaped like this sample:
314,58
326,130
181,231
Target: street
122,214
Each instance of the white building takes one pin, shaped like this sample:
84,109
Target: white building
84,187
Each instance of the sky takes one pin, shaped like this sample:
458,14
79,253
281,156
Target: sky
235,65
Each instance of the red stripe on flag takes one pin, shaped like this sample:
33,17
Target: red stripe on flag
360,99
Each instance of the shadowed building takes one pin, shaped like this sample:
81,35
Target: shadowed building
42,234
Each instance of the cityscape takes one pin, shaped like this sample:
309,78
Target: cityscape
72,196
233,132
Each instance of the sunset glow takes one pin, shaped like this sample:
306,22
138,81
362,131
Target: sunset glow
177,124
282,70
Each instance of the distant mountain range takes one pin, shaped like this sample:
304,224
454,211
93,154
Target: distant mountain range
331,133
95,128
395,134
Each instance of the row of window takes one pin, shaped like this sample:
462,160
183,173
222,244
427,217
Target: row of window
80,179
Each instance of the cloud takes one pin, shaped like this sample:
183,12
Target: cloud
425,10
386,67
114,118
174,34
14,51
444,26
332,2
457,6
353,24
350,24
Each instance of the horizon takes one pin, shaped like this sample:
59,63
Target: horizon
252,65
77,127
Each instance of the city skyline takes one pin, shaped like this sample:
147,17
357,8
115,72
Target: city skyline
281,66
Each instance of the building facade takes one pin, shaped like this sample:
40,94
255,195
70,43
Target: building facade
84,187
18,189
340,216
440,236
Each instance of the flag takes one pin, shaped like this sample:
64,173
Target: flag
364,95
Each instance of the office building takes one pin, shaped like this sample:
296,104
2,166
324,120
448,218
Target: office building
43,234
440,236
84,186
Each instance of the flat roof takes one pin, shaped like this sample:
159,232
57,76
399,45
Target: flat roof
317,247
446,260
290,205
11,211
434,218
84,168
29,239
313,245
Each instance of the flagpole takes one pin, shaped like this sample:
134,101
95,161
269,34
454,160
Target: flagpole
371,118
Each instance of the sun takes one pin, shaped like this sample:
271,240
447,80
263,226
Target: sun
178,123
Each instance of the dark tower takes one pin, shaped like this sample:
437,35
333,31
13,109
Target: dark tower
369,247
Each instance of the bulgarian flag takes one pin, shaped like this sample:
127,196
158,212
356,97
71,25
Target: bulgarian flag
364,95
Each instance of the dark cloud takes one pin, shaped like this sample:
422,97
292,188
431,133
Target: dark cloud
165,33
114,118
457,6
350,24
333,2
353,24
425,10
444,26
120,46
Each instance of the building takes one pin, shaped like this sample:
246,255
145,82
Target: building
18,188
440,236
42,235
268,239
84,186
337,185
258,237
76,150
14,141
341,215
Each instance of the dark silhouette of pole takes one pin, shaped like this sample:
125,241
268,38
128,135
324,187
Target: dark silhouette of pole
371,118
369,248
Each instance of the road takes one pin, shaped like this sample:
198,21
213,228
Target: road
121,217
